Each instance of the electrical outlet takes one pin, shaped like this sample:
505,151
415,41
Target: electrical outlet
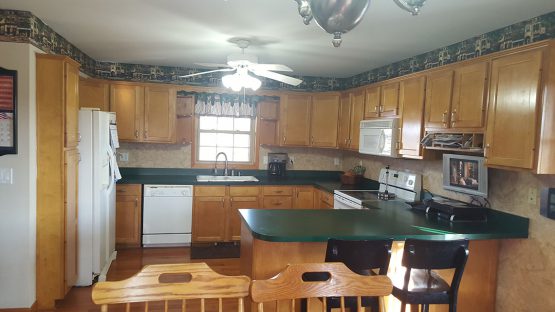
360,162
532,195
292,159
123,157
6,176
336,161
265,160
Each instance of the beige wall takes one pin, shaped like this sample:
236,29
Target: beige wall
526,274
18,200
144,155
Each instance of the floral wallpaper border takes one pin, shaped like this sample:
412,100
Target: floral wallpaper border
23,26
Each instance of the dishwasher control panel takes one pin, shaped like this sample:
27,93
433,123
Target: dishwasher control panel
155,190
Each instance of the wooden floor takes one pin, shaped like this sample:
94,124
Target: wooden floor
129,262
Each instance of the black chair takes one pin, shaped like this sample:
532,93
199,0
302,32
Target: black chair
362,257
421,285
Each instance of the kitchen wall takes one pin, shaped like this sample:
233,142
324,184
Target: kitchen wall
18,200
146,155
526,273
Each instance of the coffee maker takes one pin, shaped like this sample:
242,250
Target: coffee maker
277,163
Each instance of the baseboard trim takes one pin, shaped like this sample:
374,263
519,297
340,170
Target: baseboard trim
33,308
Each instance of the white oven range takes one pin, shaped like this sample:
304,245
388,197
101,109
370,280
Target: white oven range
405,185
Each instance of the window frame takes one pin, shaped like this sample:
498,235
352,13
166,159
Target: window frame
254,149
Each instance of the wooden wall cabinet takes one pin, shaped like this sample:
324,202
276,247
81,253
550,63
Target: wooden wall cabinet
382,101
144,114
412,92
268,121
94,93
344,128
357,115
438,98
513,109
294,123
128,215
468,105
57,98
323,120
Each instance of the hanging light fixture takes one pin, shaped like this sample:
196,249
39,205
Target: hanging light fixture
412,6
334,16
241,79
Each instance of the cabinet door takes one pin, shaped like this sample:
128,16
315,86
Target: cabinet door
94,93
159,115
357,114
469,96
268,113
344,129
209,215
127,101
71,105
71,164
323,123
412,107
234,219
184,107
128,215
512,108
438,99
304,197
372,105
389,104
295,120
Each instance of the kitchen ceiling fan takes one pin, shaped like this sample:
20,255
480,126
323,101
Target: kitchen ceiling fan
242,64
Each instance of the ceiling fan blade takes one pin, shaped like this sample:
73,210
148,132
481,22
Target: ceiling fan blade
279,77
208,72
211,65
274,67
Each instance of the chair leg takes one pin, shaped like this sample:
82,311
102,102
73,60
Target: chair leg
414,307
425,308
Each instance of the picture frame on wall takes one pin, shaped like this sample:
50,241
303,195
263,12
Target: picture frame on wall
8,111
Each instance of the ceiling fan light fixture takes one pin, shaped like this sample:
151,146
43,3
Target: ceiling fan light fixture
238,81
411,6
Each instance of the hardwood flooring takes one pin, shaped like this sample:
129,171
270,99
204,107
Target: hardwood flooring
130,261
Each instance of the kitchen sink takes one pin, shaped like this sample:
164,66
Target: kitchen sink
212,178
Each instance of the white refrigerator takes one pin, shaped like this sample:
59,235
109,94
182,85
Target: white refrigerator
98,173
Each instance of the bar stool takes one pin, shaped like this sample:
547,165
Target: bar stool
362,257
423,286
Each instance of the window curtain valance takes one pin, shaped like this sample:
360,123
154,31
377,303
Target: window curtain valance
222,104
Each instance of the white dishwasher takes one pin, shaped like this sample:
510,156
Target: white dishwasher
167,215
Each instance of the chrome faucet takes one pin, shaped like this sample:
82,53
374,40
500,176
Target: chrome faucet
216,164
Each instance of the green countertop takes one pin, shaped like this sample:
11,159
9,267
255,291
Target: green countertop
326,180
392,220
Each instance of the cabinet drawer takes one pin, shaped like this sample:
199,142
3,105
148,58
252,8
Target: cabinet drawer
278,202
244,191
326,198
209,191
128,189
278,190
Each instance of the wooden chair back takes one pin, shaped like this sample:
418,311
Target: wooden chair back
292,284
172,282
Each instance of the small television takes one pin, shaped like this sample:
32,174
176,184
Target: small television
465,174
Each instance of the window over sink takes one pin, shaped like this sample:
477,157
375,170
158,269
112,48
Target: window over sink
232,135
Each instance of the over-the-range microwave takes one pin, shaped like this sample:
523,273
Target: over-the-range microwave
379,137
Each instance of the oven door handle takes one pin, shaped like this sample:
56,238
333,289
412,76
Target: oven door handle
345,201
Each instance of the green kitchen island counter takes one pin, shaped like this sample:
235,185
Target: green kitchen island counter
271,239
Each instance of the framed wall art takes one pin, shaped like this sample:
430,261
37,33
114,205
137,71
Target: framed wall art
8,111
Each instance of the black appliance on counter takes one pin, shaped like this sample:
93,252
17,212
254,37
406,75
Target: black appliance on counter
277,164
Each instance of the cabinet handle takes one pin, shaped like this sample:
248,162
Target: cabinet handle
284,139
486,150
444,117
376,108
381,108
145,134
279,192
136,202
136,134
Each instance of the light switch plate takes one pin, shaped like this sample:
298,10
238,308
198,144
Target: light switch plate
336,161
6,175
123,156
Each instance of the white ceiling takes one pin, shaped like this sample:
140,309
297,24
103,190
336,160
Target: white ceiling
184,32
